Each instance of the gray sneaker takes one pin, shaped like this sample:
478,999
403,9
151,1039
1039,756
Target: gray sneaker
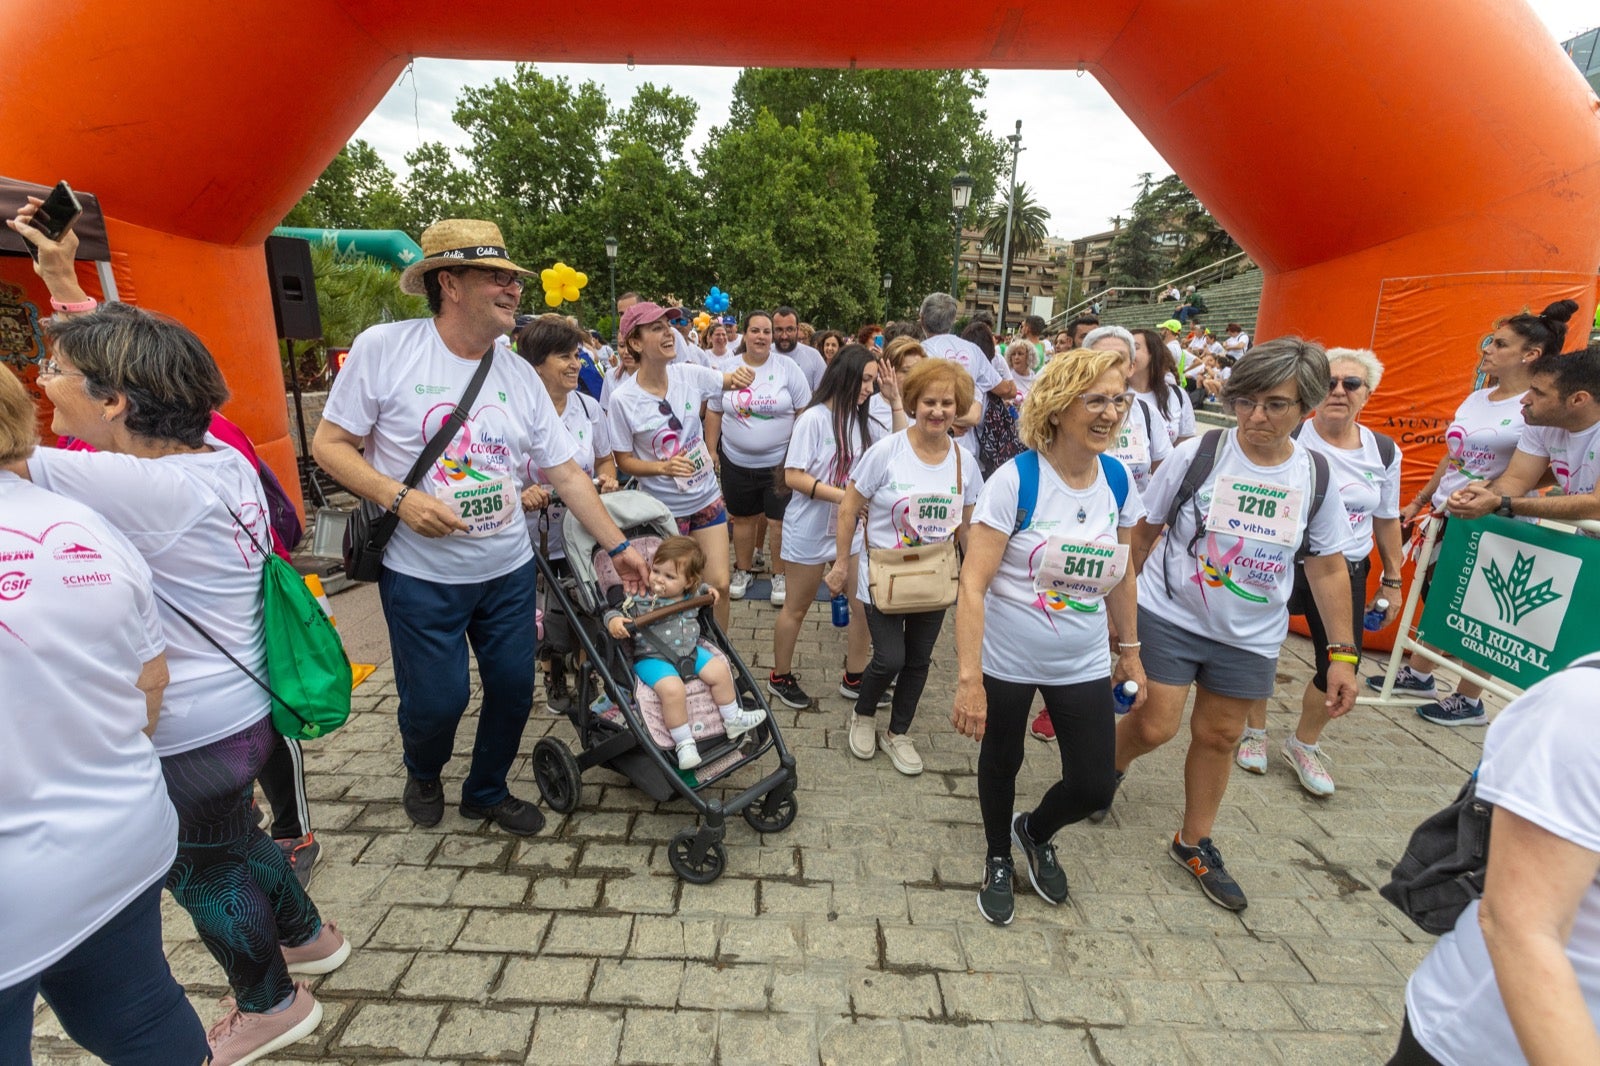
1049,879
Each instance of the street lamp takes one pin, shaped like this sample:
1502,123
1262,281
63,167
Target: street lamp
1005,255
611,254
960,197
888,282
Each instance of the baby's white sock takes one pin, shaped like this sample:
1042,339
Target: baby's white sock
681,734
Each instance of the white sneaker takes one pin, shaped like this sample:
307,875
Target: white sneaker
739,584
863,737
780,590
759,561
1306,759
688,755
742,721
1251,754
903,754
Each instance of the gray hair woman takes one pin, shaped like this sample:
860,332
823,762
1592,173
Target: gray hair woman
140,389
1214,593
1366,471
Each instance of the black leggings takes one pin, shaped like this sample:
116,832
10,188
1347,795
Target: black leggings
1086,736
902,646
1302,602
283,781
1410,1052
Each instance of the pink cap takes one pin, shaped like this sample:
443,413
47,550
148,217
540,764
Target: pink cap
642,314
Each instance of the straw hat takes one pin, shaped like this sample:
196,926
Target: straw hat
458,242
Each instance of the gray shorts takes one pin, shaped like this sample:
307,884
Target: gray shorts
1174,656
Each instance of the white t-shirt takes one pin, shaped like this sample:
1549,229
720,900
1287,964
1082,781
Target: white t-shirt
1479,443
687,353
1574,457
398,389
614,377
758,419
1234,590
900,487
1179,416
808,524
1024,383
1367,488
639,428
175,513
1037,637
1541,762
809,360
1143,442
1236,343
591,439
971,357
85,823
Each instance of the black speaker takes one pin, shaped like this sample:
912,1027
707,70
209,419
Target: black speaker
294,290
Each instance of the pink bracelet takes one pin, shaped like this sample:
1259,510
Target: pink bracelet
87,304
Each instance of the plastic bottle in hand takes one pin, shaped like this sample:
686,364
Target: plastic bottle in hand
1373,620
841,610
1123,695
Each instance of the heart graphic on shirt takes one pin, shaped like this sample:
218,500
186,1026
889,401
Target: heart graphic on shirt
19,547
472,452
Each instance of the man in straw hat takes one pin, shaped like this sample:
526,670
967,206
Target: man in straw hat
460,567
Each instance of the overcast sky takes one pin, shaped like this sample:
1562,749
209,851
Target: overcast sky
1080,200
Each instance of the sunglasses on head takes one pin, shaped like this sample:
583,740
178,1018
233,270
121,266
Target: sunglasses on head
672,419
1351,384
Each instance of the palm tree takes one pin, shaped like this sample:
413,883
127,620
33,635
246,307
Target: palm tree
1028,232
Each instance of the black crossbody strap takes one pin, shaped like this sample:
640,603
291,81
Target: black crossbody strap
251,674
441,440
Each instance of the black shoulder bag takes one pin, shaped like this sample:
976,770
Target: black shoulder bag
367,534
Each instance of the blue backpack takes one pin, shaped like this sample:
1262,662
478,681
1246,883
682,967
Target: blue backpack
1028,484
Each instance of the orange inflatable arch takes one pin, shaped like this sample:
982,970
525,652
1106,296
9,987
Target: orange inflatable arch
1403,173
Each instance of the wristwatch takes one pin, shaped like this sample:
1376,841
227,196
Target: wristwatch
1504,510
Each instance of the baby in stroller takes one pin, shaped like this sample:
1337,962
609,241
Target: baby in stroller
666,652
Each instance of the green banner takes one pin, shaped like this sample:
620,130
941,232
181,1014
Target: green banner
1513,600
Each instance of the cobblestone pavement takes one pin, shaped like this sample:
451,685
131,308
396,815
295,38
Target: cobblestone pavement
853,937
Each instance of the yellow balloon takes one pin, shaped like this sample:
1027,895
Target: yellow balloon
547,277
569,292
580,278
552,297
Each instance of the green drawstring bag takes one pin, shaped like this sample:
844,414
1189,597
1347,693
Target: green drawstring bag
309,672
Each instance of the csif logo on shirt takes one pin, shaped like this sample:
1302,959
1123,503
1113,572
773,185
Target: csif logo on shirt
14,584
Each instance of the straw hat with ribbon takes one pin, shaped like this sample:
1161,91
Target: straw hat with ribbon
455,242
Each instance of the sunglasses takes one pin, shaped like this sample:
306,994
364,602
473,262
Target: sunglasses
680,321
1350,384
672,419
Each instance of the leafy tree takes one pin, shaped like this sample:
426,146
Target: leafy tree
657,117
354,292
356,191
925,126
1169,232
790,219
438,188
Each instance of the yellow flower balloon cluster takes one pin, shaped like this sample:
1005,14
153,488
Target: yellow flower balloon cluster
561,282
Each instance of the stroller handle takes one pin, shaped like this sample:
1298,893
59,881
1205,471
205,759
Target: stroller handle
650,617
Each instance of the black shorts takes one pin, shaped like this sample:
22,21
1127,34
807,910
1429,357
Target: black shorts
750,491
1301,602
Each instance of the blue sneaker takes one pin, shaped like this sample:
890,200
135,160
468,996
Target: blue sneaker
1407,683
1455,709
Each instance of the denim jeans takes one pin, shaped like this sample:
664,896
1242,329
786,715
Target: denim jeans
114,994
430,627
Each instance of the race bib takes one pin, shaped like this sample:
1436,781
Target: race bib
934,517
1080,569
1132,446
1256,510
703,470
486,506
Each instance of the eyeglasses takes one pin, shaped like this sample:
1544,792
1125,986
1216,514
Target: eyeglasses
680,321
52,369
501,278
1276,407
672,419
1351,384
1096,402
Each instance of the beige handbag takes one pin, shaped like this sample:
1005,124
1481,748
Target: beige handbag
924,578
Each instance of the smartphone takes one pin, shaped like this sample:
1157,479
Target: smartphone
58,212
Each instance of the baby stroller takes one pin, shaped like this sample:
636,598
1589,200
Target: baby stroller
618,720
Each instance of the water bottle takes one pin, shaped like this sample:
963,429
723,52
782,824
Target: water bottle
841,610
1123,695
1373,620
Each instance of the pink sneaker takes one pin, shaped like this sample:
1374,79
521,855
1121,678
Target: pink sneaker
324,953
239,1038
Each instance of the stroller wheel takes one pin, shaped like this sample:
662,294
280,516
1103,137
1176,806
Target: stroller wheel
770,816
680,855
557,774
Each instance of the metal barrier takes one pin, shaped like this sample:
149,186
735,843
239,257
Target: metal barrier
1406,641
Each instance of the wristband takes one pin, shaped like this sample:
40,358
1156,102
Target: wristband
1344,657
88,303
395,506
1386,583
1135,644
814,483
620,548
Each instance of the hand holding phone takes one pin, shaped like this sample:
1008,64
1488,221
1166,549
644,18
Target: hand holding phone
52,217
